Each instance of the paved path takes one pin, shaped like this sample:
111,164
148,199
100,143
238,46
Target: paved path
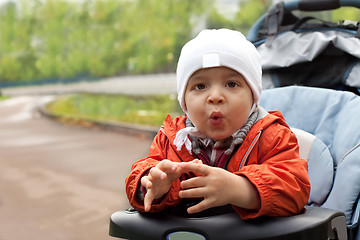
59,182
143,84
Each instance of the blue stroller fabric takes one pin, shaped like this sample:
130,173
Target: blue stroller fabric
333,117
321,166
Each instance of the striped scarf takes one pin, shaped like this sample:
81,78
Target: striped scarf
217,153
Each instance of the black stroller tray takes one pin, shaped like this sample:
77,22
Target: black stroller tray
312,223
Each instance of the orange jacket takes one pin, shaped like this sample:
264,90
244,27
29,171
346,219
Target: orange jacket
268,157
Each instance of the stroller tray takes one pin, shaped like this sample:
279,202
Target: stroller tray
312,223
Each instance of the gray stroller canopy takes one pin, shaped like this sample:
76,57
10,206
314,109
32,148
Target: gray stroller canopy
291,48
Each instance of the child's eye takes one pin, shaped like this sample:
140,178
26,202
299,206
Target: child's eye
232,84
199,86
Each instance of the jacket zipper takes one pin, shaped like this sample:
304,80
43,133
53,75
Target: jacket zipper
248,151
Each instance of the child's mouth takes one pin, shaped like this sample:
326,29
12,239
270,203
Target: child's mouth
216,118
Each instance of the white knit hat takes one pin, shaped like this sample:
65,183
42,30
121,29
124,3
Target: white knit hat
215,48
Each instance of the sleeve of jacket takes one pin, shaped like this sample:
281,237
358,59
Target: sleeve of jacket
157,153
280,176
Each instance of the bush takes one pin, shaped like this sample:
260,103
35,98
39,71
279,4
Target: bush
58,39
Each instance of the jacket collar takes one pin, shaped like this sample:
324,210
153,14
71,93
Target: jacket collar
170,128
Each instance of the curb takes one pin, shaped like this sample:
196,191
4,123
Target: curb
124,128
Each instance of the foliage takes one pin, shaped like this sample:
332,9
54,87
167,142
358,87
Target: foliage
251,11
61,39
58,39
3,97
149,110
352,14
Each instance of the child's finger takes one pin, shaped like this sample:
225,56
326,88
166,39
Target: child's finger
157,173
192,183
201,206
196,168
168,166
192,193
145,182
149,197
196,161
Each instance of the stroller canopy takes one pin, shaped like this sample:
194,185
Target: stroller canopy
307,51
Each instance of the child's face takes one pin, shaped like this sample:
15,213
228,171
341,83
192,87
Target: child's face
218,101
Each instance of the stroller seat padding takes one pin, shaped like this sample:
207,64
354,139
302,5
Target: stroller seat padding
333,117
321,165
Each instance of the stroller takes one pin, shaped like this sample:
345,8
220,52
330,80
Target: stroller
323,111
308,51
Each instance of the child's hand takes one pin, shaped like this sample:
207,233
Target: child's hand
217,187
159,181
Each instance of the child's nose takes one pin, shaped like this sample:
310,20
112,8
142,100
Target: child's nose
215,96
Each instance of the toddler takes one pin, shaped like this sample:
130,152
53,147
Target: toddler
226,149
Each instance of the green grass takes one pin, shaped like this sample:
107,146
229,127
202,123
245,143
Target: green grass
145,110
3,97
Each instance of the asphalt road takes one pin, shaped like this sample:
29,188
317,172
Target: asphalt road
59,182
139,84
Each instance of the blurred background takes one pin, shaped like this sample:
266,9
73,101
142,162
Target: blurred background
66,40
52,40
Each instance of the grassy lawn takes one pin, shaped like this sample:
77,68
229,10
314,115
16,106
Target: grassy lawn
145,110
3,97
